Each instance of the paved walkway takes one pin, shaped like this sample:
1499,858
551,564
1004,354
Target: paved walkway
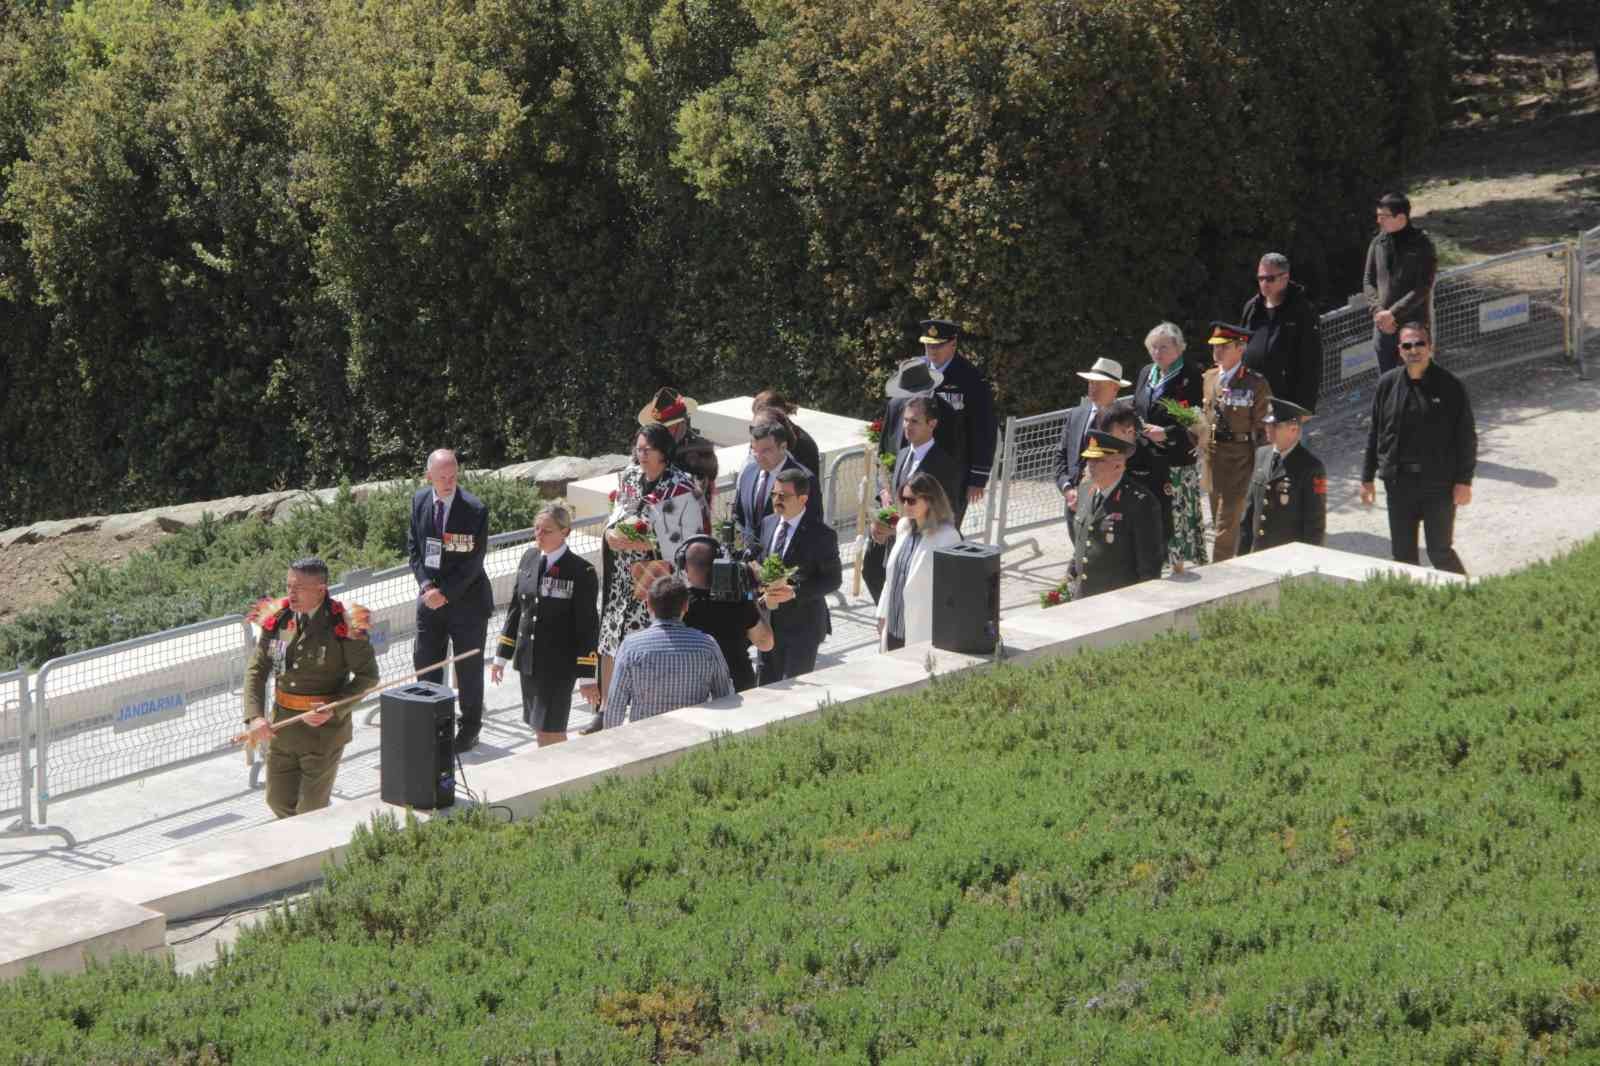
1533,499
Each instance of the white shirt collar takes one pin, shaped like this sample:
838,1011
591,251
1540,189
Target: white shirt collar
550,560
920,450
1227,375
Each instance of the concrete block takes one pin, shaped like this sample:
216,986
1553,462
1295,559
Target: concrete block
1329,564
63,933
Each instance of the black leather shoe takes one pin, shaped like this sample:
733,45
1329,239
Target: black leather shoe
592,727
466,740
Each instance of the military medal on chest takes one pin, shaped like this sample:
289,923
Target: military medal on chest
1283,493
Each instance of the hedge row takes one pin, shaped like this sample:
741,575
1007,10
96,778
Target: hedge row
246,244
1358,828
215,568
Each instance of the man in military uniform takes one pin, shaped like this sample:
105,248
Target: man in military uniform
1289,489
1117,539
696,455
1235,408
970,426
321,655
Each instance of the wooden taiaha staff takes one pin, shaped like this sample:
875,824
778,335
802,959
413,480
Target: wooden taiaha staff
329,708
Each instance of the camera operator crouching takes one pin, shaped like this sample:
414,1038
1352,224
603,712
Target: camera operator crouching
720,606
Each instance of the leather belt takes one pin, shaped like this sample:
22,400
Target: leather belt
1408,468
291,701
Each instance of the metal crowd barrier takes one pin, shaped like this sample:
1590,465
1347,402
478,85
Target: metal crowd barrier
17,739
1586,299
127,710
1486,316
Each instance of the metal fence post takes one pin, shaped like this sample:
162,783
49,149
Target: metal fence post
19,801
1008,470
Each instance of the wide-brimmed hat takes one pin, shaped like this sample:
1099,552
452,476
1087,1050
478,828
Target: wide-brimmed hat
913,378
1105,370
1100,444
668,407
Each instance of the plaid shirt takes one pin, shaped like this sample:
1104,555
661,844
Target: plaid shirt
661,669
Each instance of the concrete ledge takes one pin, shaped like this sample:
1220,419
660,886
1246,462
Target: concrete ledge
218,873
62,935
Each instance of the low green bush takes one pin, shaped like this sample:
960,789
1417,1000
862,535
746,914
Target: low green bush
218,568
1358,828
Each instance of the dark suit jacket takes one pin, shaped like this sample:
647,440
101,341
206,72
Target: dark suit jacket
1186,386
805,449
460,574
553,635
749,513
938,462
814,548
1290,507
949,434
1069,450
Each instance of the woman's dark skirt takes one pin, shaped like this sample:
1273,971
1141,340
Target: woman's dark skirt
546,702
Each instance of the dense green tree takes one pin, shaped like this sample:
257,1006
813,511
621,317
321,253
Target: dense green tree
249,244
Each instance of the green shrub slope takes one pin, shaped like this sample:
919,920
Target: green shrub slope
1360,828
219,568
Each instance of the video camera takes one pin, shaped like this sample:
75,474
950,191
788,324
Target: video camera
731,581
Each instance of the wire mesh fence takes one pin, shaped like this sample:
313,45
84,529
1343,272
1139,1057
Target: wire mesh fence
1586,312
14,743
1486,316
119,712
1030,448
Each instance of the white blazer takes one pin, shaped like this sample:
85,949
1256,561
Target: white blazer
919,580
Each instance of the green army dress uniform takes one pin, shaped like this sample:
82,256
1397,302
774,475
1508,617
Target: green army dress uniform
1117,537
314,665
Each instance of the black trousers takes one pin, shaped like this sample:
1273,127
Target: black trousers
459,628
789,657
1387,346
1413,501
873,562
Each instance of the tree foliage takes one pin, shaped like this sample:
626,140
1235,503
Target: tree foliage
275,243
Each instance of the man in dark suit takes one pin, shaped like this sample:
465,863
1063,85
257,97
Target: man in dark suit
1104,378
752,494
446,542
552,628
799,608
920,424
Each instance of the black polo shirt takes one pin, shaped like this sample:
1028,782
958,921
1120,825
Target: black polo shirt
729,625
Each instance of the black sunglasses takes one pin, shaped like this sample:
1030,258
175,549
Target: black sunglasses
910,499
1268,277
1406,346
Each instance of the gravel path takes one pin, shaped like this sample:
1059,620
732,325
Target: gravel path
1533,497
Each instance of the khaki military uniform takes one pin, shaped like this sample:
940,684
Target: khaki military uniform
1237,420
314,666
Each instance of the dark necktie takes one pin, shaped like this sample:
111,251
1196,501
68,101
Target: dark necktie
760,502
781,541
1277,467
438,516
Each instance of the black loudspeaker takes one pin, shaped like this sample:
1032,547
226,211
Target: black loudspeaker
416,766
966,598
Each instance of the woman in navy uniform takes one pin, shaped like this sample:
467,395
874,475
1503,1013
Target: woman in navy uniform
552,627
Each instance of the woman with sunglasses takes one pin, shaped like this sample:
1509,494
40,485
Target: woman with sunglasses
905,610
